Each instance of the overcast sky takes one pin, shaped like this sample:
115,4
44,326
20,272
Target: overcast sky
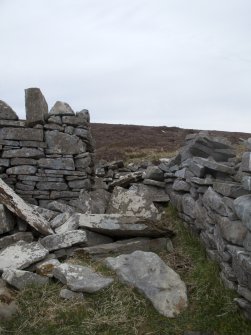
184,63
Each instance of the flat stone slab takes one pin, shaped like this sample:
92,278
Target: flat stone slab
127,179
57,163
21,254
20,279
122,225
19,207
152,277
81,278
212,165
22,134
65,240
125,246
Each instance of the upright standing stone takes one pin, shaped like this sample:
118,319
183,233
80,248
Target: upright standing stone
36,106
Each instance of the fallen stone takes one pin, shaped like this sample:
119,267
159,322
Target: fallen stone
214,166
181,185
61,108
62,143
70,295
6,112
60,219
214,201
123,225
45,267
127,180
130,202
57,163
22,134
21,254
155,183
11,239
21,279
36,107
60,207
46,213
81,278
65,240
71,223
242,207
17,205
151,276
7,220
229,189
126,246
154,173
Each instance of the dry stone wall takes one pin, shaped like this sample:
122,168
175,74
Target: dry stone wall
211,189
49,155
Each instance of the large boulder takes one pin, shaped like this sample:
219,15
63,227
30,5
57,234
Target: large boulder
152,277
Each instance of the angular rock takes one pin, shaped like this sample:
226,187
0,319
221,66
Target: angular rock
24,152
60,207
65,240
152,193
57,163
244,292
6,112
246,162
214,201
21,279
21,254
188,205
127,179
242,207
81,278
123,225
152,277
232,231
61,108
22,169
11,239
129,202
214,166
83,163
36,107
70,295
59,220
155,183
22,134
229,189
181,185
126,246
78,120
7,220
71,223
17,206
62,143
154,173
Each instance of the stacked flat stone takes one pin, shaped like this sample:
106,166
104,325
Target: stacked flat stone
49,155
211,191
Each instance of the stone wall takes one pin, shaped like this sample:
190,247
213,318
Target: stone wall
49,155
211,190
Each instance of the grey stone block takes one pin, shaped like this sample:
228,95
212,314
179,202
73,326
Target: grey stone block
36,106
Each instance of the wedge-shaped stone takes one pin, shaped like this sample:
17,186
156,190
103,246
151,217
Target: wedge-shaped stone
65,240
21,279
152,277
36,106
123,225
22,134
130,202
19,207
21,254
81,278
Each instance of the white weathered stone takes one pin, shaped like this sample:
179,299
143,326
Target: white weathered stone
81,278
21,254
151,276
65,240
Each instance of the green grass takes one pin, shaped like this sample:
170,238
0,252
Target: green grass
120,310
